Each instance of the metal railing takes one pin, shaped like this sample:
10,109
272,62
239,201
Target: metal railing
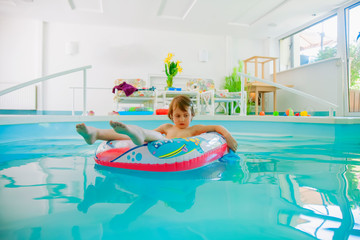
331,106
43,79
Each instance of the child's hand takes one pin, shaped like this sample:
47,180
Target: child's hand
231,142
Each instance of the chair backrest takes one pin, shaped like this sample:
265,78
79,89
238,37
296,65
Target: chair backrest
200,85
136,82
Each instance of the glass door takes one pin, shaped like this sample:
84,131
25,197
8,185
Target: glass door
353,57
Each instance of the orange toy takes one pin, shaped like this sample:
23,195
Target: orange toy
289,112
162,111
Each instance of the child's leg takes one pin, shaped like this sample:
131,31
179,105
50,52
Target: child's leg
91,134
137,134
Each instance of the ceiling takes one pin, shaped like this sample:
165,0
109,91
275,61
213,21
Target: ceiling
254,19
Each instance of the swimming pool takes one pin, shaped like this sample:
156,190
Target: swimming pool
293,180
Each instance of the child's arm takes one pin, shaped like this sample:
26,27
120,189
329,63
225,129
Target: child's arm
231,142
163,128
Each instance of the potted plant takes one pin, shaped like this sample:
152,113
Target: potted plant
233,84
171,69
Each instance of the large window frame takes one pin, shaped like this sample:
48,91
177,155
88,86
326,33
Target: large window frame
309,44
347,57
342,53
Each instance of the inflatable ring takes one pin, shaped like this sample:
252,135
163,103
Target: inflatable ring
178,154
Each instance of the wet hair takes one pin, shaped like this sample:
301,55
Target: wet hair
183,103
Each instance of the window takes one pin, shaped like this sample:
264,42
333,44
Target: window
353,57
315,43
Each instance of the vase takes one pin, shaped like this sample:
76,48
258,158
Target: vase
169,82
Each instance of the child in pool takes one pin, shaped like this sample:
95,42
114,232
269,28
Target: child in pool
181,112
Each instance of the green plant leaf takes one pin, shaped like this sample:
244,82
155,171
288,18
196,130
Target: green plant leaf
166,70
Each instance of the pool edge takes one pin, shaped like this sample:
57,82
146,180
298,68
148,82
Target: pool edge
26,119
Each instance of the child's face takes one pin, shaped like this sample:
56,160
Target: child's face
181,118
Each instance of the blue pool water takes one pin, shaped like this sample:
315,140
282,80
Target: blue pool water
292,181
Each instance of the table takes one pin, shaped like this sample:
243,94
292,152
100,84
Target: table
261,88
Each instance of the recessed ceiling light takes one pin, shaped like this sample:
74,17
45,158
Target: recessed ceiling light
272,25
16,2
8,2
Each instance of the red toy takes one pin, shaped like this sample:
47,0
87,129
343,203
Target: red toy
162,111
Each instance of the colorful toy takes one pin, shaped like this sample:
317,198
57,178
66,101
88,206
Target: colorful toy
169,155
91,113
162,111
289,112
262,113
276,113
303,113
297,114
174,89
136,111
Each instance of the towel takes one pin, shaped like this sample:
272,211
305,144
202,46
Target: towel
127,88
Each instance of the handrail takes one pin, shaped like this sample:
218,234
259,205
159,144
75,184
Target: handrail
43,79
332,106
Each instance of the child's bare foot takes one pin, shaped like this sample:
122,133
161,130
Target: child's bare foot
134,132
88,133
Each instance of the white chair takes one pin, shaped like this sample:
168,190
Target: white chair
231,101
206,89
223,98
145,98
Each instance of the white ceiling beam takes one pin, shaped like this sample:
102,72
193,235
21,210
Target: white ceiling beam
163,4
268,12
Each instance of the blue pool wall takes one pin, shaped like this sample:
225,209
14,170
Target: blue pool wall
58,130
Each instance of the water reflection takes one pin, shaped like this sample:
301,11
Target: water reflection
283,188
313,198
143,190
324,195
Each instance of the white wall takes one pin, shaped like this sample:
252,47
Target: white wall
20,60
39,48
318,79
30,49
122,53
16,35
245,48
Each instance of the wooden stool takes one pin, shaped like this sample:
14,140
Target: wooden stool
259,87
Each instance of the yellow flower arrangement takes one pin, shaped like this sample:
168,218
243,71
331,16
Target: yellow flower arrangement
171,69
